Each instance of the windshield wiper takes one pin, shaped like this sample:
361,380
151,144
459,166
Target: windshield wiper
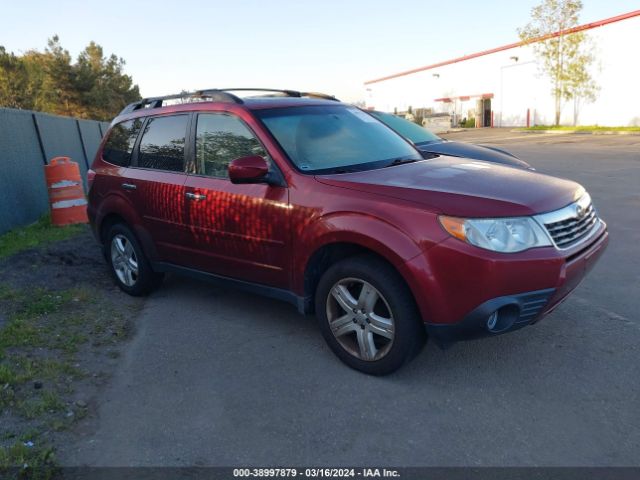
343,170
428,142
400,161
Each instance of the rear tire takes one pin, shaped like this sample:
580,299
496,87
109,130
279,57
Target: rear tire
128,264
367,315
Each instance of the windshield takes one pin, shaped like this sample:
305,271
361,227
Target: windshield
407,129
324,139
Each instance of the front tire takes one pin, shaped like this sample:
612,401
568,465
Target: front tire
128,264
367,315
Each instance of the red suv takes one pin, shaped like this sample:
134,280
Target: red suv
305,199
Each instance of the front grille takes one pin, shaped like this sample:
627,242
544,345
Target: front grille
571,224
566,232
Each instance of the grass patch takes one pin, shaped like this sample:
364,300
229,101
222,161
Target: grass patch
43,302
583,128
23,461
7,375
34,235
48,402
26,309
21,369
19,333
43,332
70,343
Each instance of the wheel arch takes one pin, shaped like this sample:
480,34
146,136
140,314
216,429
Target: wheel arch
107,222
330,253
115,210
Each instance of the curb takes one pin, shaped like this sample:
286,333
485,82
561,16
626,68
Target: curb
578,132
453,130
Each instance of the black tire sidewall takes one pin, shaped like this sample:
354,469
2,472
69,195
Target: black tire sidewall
409,334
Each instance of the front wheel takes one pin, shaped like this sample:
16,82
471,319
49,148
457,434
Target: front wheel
368,316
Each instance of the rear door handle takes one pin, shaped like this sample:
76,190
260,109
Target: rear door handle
129,186
195,196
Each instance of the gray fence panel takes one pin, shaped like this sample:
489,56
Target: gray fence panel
91,136
23,192
60,138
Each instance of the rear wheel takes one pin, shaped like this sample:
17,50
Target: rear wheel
368,316
129,266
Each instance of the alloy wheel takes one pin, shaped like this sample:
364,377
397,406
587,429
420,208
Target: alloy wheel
360,319
124,260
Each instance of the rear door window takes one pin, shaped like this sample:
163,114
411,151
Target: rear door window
163,143
118,147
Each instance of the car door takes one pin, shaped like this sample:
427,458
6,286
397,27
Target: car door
156,183
238,231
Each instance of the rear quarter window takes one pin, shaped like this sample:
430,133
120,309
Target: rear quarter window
122,137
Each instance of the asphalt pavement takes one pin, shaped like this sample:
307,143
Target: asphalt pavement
219,377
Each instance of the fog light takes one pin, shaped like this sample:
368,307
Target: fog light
492,321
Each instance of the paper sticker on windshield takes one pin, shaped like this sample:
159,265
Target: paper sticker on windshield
365,117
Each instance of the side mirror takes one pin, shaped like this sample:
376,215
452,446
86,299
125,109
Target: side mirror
252,169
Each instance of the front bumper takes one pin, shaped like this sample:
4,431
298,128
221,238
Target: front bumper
467,286
513,312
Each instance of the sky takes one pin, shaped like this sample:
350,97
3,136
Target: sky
330,46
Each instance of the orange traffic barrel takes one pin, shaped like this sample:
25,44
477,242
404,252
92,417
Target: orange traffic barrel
66,195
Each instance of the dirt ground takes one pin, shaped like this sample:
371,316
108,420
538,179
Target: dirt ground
63,324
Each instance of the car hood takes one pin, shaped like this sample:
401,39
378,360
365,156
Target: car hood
477,152
464,187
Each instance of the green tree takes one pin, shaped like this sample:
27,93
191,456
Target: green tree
13,80
101,83
39,93
60,81
93,87
566,56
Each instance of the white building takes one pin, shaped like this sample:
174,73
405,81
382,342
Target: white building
504,86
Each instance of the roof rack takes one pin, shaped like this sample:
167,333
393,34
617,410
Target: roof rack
287,93
218,95
215,95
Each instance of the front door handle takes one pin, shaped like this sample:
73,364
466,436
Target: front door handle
195,196
129,186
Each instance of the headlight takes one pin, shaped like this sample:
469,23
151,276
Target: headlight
505,235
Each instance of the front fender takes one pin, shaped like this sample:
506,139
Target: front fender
372,233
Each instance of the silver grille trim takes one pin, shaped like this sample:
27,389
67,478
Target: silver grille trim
571,225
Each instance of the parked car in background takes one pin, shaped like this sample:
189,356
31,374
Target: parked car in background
430,143
318,203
